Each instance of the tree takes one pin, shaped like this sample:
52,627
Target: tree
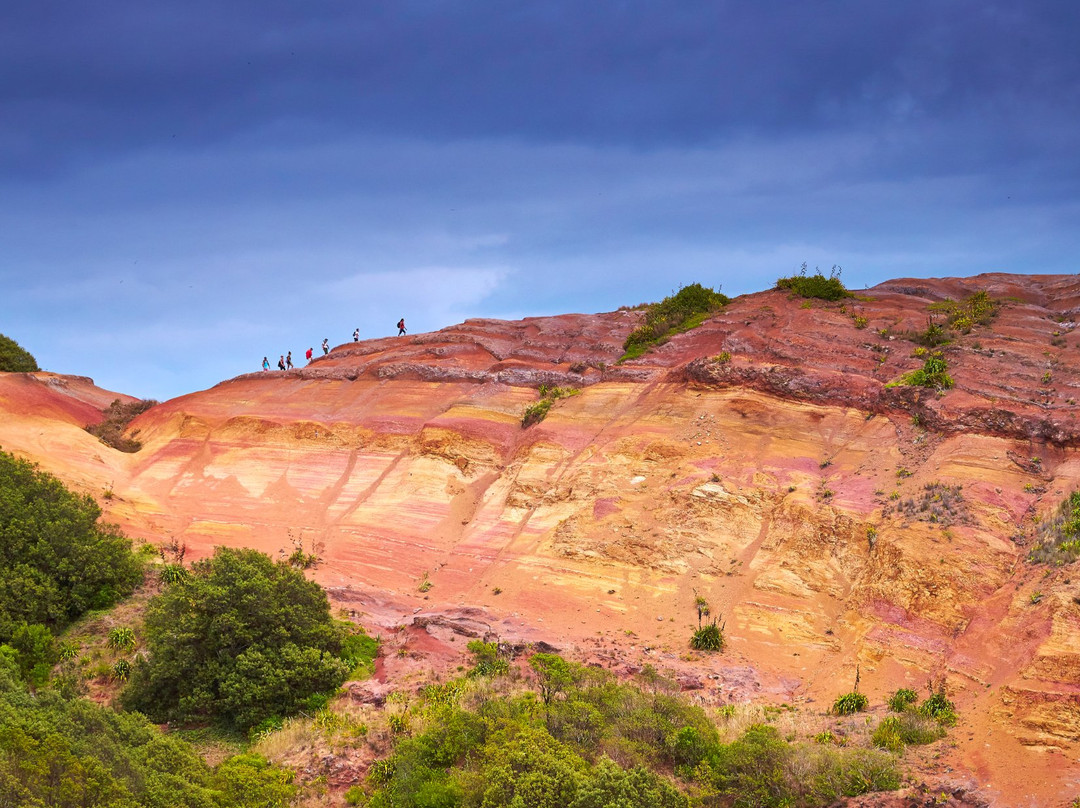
56,559
553,675
240,640
14,358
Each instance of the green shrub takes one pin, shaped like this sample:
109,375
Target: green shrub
682,311
56,560
902,699
816,285
122,638
710,637
535,413
358,651
35,652
850,703
173,573
243,639
121,670
488,659
976,309
908,729
933,373
938,707
14,358
933,336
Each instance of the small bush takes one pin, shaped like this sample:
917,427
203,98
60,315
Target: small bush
14,358
535,413
977,309
933,374
937,503
685,309
710,637
425,583
173,573
122,638
816,285
902,699
489,659
938,707
358,651
850,703
909,729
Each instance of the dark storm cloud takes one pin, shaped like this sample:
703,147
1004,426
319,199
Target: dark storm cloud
186,187
79,78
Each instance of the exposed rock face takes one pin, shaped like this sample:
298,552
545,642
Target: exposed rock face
812,505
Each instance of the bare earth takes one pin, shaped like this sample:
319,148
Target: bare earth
784,485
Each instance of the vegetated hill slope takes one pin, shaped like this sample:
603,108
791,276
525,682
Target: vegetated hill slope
759,459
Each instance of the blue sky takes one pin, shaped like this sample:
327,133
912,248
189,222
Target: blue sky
187,187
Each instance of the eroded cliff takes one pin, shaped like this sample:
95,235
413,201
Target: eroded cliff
759,460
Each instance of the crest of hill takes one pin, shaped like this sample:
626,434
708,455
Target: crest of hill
1015,377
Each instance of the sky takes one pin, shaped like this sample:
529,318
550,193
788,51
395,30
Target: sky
188,187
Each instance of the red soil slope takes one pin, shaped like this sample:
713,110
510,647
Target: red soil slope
785,485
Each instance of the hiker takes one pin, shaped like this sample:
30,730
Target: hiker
281,363
266,363
307,355
401,326
325,347
356,335
288,360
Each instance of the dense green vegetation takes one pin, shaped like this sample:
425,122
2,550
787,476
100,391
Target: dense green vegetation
1059,535
56,560
537,412
816,285
587,741
239,641
71,753
14,358
682,311
117,417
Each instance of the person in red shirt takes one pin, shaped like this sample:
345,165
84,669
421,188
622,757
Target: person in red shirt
308,355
